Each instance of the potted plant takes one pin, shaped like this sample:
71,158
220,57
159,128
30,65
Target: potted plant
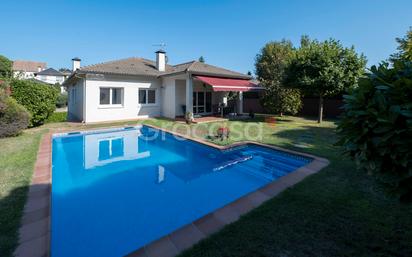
189,118
223,132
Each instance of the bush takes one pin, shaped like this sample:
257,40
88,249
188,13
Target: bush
376,126
62,99
5,67
39,99
57,117
13,117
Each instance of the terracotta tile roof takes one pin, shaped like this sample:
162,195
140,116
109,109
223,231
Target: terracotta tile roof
145,67
207,69
29,66
129,66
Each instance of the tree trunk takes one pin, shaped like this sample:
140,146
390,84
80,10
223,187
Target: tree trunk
320,109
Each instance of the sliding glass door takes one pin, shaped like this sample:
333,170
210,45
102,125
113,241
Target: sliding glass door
202,102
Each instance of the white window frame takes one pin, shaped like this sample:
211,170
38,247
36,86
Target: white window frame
147,97
110,104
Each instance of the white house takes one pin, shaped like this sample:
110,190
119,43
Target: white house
51,76
139,88
27,69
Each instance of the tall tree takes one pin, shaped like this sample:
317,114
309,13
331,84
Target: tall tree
404,48
5,67
201,59
271,64
324,69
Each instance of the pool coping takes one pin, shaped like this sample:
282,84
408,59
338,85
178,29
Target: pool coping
35,228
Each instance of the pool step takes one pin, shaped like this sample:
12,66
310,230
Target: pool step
293,163
263,172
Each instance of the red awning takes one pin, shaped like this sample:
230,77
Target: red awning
224,84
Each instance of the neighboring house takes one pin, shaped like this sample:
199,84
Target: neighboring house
51,76
66,72
27,69
139,88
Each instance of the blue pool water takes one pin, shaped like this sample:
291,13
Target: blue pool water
114,192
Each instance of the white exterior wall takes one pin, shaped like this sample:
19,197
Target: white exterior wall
169,97
75,101
50,79
130,109
180,96
23,74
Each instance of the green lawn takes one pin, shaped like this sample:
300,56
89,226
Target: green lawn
17,158
337,212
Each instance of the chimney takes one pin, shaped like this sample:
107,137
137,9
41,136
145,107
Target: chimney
38,68
76,63
161,60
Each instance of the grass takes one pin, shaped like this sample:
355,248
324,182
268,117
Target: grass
337,212
17,158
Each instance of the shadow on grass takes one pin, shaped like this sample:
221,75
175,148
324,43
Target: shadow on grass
316,140
11,212
23,207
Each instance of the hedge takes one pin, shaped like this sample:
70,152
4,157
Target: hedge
13,116
39,99
57,117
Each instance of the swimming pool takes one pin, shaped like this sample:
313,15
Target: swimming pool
116,191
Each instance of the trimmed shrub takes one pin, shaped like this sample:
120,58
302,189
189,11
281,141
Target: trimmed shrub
39,99
13,117
62,99
376,126
57,117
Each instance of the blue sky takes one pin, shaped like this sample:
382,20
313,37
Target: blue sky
227,33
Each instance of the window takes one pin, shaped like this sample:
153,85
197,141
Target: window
151,96
147,96
111,96
104,95
116,96
142,96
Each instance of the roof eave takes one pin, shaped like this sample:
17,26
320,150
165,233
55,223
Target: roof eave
240,76
84,72
117,73
246,77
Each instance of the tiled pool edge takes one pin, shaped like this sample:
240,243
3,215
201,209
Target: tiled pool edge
34,233
185,237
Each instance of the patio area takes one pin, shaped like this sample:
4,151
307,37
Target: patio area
204,119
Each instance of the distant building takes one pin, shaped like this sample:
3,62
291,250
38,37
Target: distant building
66,72
27,69
51,76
